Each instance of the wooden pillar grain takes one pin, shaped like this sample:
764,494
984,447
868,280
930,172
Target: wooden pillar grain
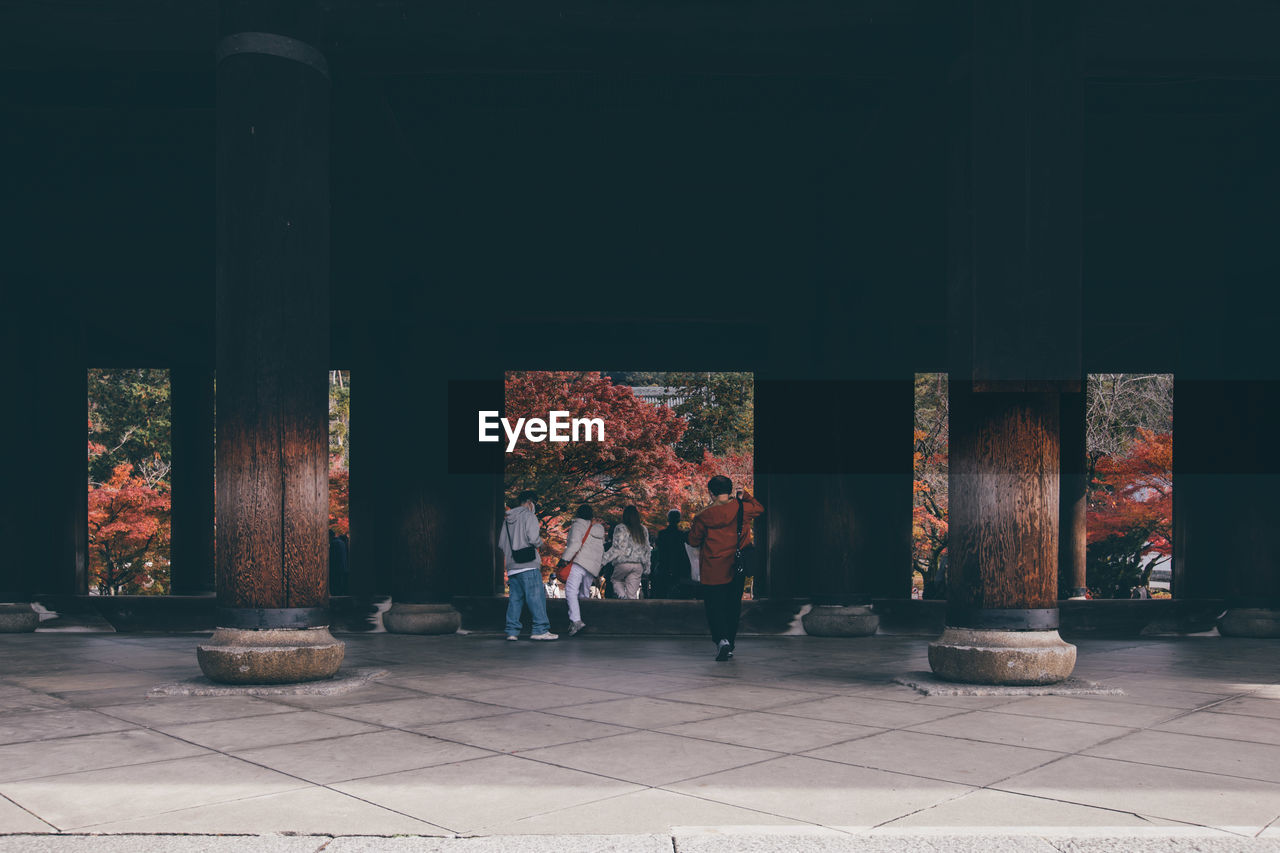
1004,509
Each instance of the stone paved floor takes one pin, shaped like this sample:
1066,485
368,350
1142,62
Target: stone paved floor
642,737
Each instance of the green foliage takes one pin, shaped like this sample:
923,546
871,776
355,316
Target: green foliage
1114,565
130,418
720,411
340,417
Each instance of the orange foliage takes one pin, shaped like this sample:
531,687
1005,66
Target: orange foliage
1135,492
128,534
339,496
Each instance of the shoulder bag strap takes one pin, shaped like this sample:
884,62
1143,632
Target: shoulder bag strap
511,539
740,514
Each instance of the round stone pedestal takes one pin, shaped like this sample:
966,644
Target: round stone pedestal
828,620
18,618
1001,657
1258,622
270,656
422,619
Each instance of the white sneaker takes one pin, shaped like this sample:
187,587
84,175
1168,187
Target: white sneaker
511,638
546,636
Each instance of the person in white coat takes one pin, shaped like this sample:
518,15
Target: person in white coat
584,549
630,554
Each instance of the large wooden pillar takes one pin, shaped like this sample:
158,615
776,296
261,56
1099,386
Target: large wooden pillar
833,409
272,348
1015,339
1227,475
18,570
1073,502
414,503
191,395
56,510
1227,401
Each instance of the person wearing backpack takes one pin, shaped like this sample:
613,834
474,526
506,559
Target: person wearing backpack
583,550
722,533
520,540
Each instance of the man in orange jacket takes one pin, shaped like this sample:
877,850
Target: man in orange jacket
715,534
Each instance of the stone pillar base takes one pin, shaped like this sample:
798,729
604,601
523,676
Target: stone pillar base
1001,657
422,619
1258,622
270,656
825,620
18,618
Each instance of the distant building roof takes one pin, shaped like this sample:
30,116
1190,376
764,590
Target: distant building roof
659,395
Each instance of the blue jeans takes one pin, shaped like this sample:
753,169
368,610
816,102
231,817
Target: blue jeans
526,589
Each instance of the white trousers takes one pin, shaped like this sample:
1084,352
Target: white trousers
579,586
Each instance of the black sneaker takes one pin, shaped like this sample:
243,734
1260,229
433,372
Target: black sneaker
724,653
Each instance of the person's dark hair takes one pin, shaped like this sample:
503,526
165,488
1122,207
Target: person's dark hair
720,485
527,495
585,513
673,518
631,519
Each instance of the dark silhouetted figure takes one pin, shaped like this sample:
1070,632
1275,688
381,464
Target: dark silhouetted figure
339,551
672,574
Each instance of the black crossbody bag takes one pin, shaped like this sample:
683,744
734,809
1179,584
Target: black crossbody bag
527,554
744,558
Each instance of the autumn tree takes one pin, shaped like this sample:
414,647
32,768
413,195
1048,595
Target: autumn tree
128,534
1129,465
1118,405
635,463
1130,522
129,460
339,496
929,487
340,451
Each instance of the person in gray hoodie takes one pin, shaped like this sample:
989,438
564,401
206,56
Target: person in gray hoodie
520,540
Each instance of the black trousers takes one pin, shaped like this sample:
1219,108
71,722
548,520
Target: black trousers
724,608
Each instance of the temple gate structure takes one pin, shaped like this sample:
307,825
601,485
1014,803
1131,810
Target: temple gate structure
834,196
